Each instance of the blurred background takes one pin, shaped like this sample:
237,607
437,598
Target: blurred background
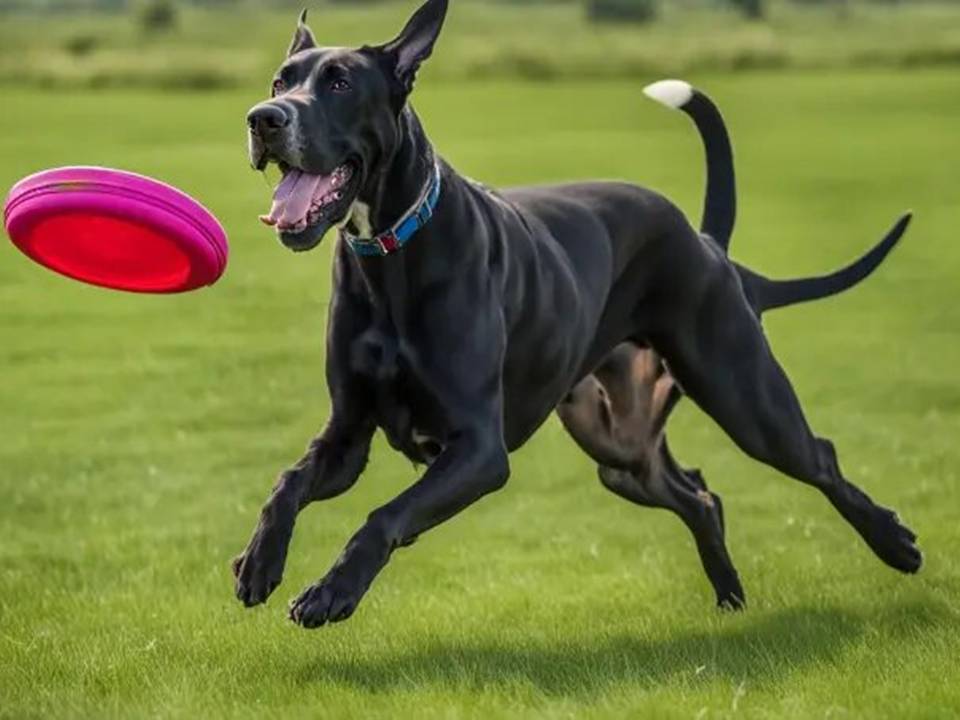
230,43
139,435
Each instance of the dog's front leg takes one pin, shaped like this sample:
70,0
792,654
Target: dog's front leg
331,465
473,464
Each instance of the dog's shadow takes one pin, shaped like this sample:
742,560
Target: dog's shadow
759,651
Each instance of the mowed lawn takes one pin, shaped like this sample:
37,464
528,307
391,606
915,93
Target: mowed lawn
139,435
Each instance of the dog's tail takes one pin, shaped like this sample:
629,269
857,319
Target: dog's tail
720,203
766,294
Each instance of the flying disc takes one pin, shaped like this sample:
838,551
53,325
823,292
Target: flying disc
116,229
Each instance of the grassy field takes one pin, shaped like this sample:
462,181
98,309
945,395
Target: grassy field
139,435
543,41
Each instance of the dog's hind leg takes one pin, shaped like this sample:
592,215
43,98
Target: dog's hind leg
720,357
617,415
664,484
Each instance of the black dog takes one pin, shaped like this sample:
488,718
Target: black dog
460,345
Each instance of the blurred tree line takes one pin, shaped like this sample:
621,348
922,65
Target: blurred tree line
646,10
162,13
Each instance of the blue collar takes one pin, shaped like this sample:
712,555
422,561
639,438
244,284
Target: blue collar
396,237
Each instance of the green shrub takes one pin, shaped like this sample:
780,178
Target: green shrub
637,11
158,16
81,45
753,9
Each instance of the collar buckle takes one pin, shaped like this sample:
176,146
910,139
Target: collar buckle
388,242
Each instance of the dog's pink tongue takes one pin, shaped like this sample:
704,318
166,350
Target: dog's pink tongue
293,196
291,201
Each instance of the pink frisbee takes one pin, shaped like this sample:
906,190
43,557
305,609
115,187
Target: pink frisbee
116,229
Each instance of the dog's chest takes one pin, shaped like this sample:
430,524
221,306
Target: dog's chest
406,410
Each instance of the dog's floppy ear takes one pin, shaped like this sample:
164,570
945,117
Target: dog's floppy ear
415,42
302,38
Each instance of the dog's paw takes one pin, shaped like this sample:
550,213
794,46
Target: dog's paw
254,586
331,600
894,542
732,599
726,584
259,569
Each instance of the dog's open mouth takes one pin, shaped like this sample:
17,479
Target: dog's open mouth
306,205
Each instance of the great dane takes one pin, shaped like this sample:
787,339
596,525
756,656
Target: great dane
461,317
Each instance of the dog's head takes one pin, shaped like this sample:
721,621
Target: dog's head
332,123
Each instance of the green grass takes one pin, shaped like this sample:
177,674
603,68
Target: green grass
139,436
238,47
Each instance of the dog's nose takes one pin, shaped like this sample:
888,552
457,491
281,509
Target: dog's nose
267,118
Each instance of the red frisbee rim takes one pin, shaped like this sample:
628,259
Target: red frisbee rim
116,229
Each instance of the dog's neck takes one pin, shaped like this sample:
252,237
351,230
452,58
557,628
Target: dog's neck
389,194
391,281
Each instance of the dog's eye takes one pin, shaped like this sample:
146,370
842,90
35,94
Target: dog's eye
278,87
340,86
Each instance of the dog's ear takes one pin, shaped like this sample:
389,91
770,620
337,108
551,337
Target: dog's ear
415,42
302,38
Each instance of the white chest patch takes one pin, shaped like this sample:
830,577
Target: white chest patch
359,218
429,446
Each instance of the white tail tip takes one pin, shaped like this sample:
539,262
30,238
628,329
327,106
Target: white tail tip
672,93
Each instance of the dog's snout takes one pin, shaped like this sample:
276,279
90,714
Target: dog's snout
267,118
